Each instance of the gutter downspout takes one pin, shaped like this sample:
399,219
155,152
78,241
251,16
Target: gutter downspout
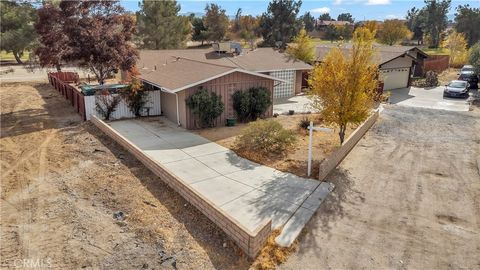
169,92
178,117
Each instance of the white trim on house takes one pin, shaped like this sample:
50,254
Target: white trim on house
283,69
173,91
226,73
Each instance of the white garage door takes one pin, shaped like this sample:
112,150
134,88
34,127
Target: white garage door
284,89
395,78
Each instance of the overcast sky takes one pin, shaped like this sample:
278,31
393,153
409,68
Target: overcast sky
360,9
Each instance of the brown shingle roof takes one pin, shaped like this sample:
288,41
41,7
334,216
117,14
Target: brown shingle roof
179,73
335,23
176,69
261,59
383,53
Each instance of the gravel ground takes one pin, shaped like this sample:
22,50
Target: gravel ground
407,196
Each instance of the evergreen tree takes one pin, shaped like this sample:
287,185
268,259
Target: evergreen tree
160,26
467,21
325,17
199,32
345,17
279,24
308,21
216,22
436,20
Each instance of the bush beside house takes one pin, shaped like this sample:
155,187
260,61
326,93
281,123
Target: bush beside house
206,107
251,104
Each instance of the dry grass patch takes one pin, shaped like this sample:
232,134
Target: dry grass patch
272,254
293,160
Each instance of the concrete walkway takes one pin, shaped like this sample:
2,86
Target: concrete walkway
299,104
247,191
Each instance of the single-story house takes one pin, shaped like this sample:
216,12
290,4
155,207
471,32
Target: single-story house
397,64
180,73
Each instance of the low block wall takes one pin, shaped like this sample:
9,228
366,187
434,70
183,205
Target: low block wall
336,157
250,242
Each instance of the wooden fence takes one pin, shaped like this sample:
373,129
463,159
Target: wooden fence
437,63
62,82
85,104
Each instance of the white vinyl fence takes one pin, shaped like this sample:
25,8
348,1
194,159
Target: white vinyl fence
152,107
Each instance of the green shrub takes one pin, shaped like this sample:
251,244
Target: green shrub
431,79
241,104
265,137
206,107
252,103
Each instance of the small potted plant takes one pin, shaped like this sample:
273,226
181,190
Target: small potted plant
231,121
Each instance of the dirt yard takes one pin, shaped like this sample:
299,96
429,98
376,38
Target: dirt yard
406,197
295,161
62,180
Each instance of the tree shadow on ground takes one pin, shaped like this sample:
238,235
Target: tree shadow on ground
331,210
55,112
210,237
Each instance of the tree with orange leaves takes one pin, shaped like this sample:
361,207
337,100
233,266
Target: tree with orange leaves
343,86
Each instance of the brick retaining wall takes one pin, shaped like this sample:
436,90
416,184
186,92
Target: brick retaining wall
330,163
249,242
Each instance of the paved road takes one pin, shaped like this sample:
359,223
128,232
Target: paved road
427,98
407,196
21,74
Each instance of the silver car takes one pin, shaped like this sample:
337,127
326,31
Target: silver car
456,89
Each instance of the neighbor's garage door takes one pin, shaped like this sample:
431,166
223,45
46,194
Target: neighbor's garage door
284,89
395,78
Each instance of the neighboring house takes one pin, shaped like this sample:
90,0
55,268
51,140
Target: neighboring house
180,73
321,27
397,64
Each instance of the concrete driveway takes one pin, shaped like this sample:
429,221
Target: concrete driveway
406,197
249,192
427,98
299,104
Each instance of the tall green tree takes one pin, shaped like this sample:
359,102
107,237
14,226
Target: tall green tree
331,33
308,21
279,24
474,56
17,33
159,25
216,22
325,17
436,20
467,21
199,31
345,17
416,23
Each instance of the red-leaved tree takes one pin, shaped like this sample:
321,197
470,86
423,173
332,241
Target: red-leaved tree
98,35
53,41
